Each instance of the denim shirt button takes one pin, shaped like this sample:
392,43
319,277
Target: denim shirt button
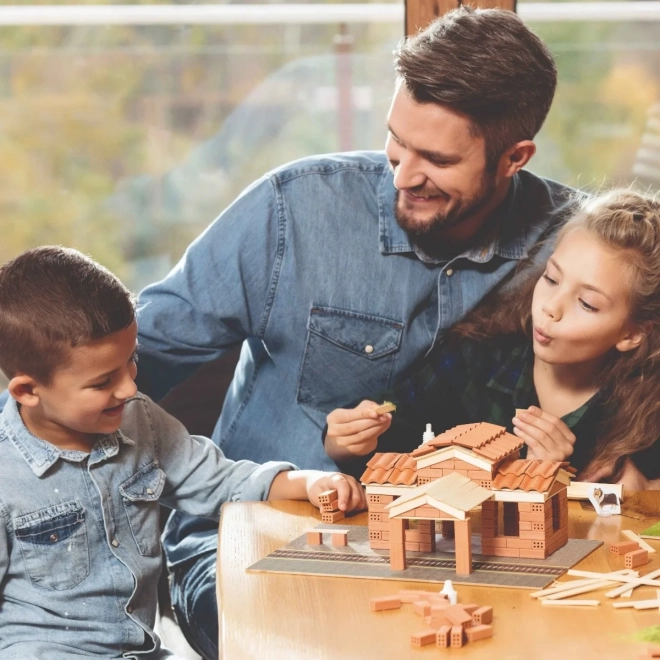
449,272
129,609
114,543
150,491
54,537
368,348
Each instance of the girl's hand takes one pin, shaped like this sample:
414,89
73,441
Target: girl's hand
546,436
355,431
350,495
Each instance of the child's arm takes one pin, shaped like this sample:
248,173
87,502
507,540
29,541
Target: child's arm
309,484
354,431
4,548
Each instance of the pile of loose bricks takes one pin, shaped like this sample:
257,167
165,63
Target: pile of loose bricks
447,625
633,555
330,512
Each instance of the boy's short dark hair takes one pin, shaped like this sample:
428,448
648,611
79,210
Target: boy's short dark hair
52,299
486,64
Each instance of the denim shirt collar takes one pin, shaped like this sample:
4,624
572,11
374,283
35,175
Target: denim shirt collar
509,243
41,455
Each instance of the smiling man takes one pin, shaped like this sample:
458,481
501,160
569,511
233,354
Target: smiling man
338,273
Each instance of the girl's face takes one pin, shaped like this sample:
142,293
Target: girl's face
580,308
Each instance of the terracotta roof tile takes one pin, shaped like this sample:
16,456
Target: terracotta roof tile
391,468
526,475
423,450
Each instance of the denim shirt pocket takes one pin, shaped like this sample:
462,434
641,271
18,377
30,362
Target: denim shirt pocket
53,542
347,355
140,495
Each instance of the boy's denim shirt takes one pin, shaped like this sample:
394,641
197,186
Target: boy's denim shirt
80,552
310,271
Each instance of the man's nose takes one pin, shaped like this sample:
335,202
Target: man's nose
408,172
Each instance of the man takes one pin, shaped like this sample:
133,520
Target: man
338,273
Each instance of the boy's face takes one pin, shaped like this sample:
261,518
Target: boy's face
86,396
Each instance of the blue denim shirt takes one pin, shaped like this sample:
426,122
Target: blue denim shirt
309,270
80,553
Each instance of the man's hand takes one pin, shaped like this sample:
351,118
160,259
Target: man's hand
355,431
350,495
546,436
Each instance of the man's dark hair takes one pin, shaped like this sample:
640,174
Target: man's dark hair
486,64
53,299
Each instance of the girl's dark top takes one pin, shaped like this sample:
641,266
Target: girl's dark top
469,381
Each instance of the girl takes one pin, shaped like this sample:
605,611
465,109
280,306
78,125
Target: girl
578,350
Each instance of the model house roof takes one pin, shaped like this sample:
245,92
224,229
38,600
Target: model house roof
391,468
527,475
486,440
455,494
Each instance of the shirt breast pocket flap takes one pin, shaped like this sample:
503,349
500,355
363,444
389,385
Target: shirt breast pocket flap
53,542
347,354
140,495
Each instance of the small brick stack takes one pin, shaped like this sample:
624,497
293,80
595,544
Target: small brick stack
447,625
330,512
633,555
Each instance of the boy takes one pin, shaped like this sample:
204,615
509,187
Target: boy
86,461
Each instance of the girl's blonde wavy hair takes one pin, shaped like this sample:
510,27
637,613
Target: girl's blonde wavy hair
628,222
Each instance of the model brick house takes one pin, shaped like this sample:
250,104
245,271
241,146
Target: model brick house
524,507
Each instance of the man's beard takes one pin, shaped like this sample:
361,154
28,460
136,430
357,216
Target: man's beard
429,236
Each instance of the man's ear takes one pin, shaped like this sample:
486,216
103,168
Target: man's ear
515,158
632,339
24,389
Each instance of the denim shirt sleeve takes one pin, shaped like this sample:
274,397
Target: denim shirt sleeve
199,478
4,545
219,294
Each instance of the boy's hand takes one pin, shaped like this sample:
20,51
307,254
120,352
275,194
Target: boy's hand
547,437
350,495
355,431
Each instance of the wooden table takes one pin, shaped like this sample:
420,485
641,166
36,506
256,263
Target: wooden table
265,615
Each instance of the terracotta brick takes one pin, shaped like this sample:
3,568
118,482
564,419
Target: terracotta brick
478,475
636,558
374,516
411,547
525,525
487,549
532,554
524,506
332,517
384,603
479,632
471,608
534,516
332,506
379,545
314,538
506,552
422,607
375,535
339,539
457,637
519,543
482,615
412,595
423,637
624,547
427,512
457,615
443,637
328,496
